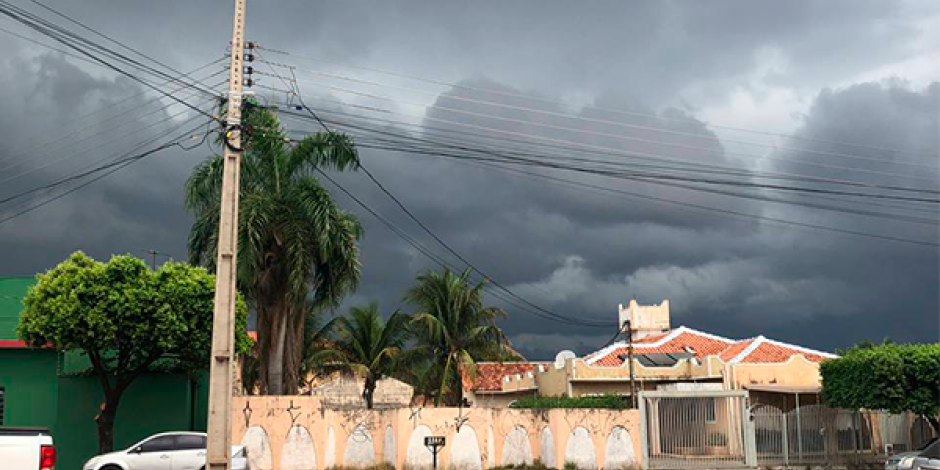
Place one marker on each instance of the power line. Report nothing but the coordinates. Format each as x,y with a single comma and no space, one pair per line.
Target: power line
443,263
112,40
753,217
601,108
607,122
577,131
582,147
692,167
78,175
424,227
504,149
60,34
85,118
645,176
99,145
38,43
55,32
111,169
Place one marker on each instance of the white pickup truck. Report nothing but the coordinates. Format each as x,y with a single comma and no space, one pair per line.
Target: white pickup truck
26,449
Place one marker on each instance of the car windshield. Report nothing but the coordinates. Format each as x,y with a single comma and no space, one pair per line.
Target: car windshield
932,450
927,444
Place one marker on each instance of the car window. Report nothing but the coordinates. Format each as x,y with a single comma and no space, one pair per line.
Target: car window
190,441
925,445
158,444
932,451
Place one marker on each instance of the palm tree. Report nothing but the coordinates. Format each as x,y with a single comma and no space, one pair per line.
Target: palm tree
454,327
296,246
365,346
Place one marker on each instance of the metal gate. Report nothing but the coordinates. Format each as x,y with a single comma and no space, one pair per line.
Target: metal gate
696,430
816,435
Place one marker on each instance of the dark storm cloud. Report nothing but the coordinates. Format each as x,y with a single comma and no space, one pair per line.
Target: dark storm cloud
574,251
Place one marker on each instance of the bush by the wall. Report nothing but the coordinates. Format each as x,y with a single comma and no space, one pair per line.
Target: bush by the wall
610,402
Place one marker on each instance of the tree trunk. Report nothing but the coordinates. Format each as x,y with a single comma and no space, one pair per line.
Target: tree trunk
368,391
459,390
294,350
275,363
105,421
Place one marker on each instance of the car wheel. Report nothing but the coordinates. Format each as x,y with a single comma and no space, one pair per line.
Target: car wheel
111,467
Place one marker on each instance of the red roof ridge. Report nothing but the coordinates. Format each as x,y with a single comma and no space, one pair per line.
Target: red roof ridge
759,341
673,334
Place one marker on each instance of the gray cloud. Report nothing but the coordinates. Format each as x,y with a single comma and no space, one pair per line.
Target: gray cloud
575,251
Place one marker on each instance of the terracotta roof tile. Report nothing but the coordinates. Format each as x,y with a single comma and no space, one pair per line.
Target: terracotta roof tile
700,344
775,352
490,374
651,338
735,349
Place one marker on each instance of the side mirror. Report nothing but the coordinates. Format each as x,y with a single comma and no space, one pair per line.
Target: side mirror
138,450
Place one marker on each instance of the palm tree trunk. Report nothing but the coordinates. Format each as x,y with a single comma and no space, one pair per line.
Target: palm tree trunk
275,363
368,391
294,350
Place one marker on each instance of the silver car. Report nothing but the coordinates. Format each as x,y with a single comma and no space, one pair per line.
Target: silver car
905,460
929,458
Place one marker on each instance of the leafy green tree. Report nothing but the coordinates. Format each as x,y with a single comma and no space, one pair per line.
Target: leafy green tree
295,244
893,377
365,346
453,327
127,319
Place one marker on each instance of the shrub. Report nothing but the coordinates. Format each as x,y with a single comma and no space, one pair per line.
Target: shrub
610,402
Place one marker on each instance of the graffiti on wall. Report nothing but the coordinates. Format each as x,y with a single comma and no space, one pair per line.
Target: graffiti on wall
298,433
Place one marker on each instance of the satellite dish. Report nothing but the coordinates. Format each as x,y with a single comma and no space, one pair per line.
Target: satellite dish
562,357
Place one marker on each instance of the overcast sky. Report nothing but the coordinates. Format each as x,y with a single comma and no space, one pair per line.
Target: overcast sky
854,71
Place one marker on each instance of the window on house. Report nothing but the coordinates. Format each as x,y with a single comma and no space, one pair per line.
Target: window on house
2,391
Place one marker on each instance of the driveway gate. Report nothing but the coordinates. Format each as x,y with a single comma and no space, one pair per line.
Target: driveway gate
696,430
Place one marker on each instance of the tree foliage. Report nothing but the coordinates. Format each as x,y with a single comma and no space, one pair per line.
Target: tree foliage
364,345
453,330
296,246
893,377
126,318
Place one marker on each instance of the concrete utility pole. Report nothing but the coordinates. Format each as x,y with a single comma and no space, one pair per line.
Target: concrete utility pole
220,363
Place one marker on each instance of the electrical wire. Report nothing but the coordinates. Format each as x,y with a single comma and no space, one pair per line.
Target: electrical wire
762,218
606,122
543,312
508,146
111,169
601,108
62,136
81,174
57,34
443,263
100,144
114,41
576,131
653,176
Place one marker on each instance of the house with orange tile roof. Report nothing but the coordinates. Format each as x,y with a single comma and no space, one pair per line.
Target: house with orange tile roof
663,358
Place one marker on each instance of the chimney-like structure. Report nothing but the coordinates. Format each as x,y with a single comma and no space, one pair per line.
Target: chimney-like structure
645,320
